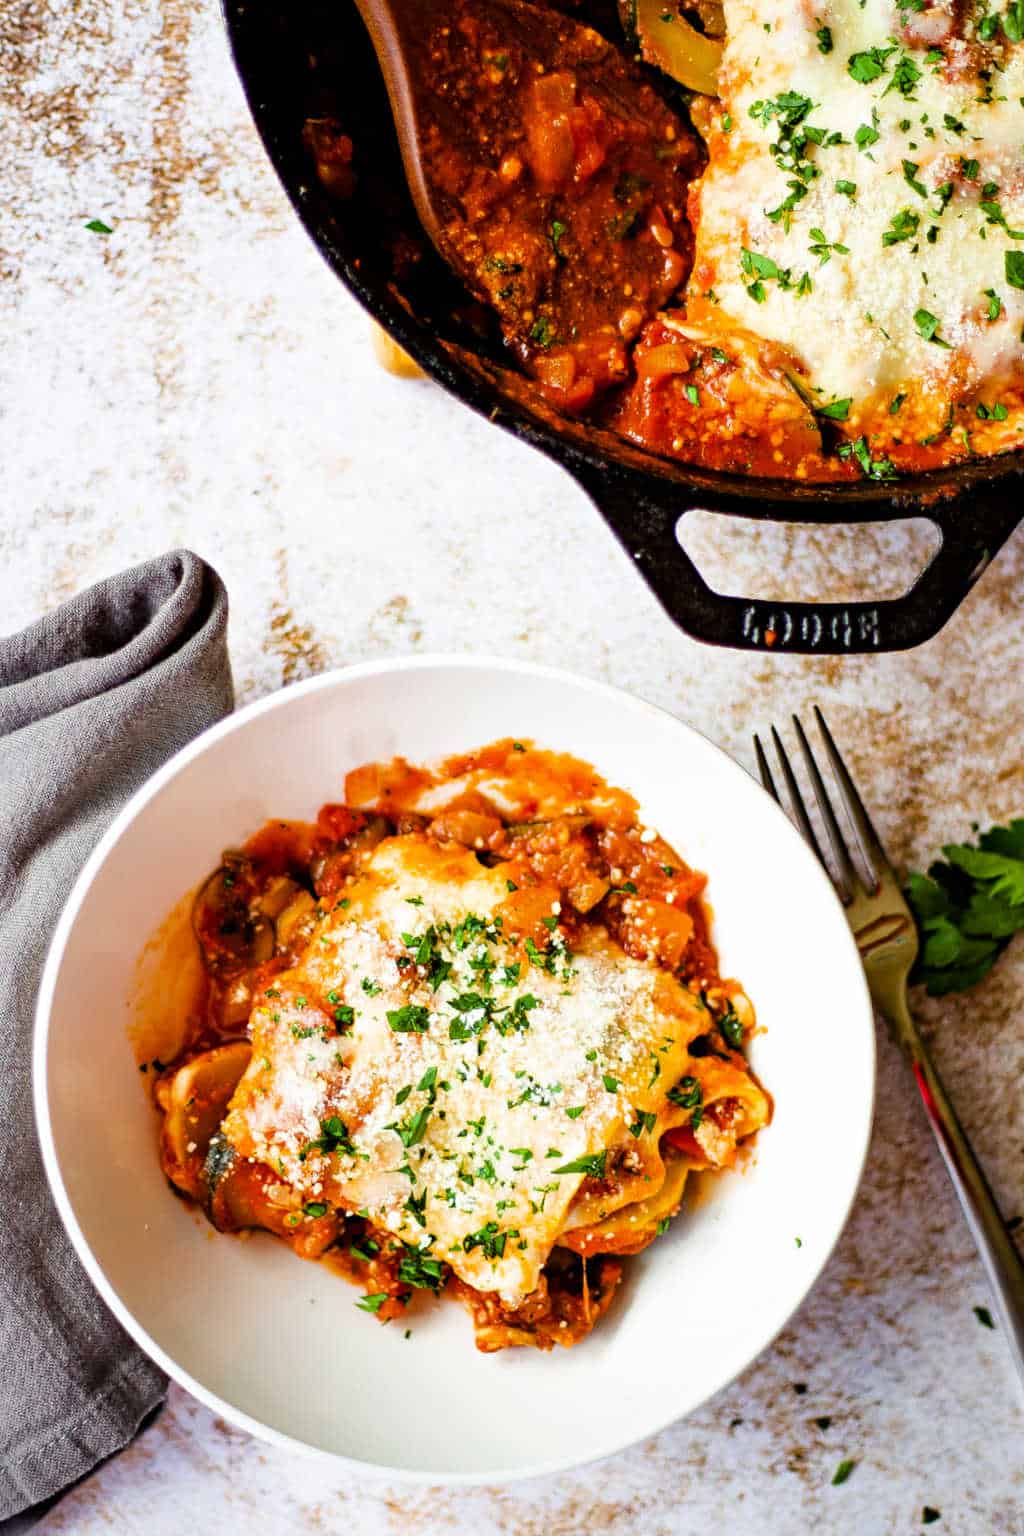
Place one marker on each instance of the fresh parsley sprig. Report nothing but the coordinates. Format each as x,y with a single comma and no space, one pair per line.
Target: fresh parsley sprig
967,909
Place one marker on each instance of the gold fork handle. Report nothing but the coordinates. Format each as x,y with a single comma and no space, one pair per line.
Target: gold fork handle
999,1255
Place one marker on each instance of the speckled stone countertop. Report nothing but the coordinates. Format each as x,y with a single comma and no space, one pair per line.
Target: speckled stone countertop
199,378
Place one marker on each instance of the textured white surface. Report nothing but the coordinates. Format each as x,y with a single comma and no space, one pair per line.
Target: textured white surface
198,377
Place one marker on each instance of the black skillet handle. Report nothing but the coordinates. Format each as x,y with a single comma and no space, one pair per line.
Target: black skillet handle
973,524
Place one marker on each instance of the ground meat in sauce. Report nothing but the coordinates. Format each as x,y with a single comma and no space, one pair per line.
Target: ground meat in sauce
560,178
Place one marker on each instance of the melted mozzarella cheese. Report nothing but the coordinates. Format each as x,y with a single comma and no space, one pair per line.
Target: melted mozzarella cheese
858,331
461,1101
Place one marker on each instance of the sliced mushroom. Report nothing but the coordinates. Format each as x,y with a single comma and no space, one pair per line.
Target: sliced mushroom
473,829
296,922
232,936
195,1099
243,1194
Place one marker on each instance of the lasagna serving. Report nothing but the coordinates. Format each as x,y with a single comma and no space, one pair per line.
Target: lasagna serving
466,1034
808,263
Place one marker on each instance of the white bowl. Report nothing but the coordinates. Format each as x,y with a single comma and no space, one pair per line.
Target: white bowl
277,1345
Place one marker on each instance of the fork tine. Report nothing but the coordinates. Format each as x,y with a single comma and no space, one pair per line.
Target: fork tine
796,799
870,843
765,772
848,877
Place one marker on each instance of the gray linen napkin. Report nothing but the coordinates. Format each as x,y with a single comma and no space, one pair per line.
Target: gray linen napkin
93,698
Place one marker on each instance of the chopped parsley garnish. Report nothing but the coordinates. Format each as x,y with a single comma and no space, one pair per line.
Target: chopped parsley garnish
490,1239
693,395
1015,269
868,66
412,1019
1013,21
611,1084
895,403
836,410
730,1028
315,1208
823,248
370,987
423,1273
984,1316
902,226
333,1137
873,469
905,76
687,1093
413,1131
372,1303
575,1112
824,36
97,227
910,170
997,412
930,1515
414,901
790,111
842,1472
556,229
416,1205
645,1120
761,268
344,1016
995,304
592,1163
928,328
365,1249
867,134
846,188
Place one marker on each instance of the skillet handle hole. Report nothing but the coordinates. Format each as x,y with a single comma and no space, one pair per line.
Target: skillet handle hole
801,562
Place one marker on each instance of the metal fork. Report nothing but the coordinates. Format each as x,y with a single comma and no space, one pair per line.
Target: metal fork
886,936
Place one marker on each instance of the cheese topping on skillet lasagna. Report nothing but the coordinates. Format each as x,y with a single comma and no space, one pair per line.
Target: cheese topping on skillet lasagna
864,207
467,1033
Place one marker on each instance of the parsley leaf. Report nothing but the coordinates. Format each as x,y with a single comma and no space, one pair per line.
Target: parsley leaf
868,66
928,328
410,1020
372,1303
591,1163
967,908
333,1137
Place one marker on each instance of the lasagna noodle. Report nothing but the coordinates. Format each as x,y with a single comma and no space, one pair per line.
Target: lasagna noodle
480,1130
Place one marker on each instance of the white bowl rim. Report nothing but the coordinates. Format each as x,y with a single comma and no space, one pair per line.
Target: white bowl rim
200,744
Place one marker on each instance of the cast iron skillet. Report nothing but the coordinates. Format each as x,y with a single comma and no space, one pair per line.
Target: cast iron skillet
311,58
